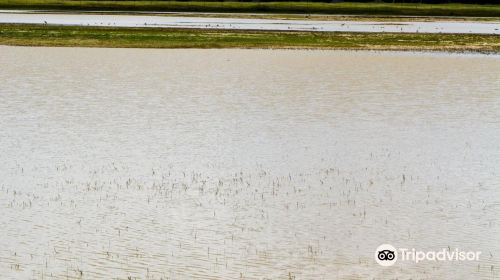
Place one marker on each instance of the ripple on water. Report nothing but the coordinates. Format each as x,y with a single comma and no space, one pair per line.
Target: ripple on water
220,164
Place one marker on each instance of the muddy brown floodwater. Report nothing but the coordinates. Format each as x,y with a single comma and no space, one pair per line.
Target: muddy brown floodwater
253,164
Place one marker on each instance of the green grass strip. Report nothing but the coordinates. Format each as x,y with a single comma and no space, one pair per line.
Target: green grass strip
112,37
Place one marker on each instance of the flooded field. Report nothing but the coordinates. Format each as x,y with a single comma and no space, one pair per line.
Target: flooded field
251,164
117,20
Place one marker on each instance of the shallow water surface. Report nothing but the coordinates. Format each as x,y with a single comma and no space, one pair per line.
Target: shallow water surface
253,164
461,27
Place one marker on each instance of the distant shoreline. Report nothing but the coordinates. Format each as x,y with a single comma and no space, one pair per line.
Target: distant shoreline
373,9
113,37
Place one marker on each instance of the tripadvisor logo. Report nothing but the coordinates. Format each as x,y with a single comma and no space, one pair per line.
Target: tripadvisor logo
387,255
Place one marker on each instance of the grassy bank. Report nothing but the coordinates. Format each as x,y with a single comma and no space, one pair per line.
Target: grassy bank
37,35
255,7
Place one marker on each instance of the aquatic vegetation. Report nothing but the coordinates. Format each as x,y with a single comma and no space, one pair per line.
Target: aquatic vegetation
281,164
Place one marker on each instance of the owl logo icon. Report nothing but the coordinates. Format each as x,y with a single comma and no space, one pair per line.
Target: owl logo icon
386,255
